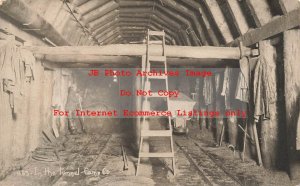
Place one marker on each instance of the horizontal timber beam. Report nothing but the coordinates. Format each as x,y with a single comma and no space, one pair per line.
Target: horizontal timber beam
274,27
23,14
203,52
93,60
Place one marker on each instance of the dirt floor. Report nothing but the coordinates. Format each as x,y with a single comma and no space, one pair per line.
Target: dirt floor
96,159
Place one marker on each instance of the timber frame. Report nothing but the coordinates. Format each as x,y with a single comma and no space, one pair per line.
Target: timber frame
90,33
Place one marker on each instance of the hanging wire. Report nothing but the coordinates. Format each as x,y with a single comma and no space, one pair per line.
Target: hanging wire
150,15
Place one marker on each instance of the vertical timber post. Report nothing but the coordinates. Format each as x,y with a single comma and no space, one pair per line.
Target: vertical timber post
292,97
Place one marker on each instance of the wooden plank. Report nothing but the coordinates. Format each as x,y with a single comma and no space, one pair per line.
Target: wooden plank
156,33
107,32
239,17
270,145
289,5
250,7
102,27
157,58
154,26
203,52
261,10
199,38
219,19
90,6
79,2
110,36
292,91
99,12
103,19
56,61
274,27
53,10
212,36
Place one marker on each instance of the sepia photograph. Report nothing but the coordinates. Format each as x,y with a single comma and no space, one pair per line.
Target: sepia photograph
149,92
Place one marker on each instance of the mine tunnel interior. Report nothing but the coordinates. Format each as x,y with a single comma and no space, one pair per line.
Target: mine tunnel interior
224,91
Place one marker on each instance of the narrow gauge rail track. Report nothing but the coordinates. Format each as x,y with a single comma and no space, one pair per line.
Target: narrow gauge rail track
211,173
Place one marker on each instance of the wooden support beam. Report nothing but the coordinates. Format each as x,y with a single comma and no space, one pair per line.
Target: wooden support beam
134,15
100,29
291,63
134,31
274,27
204,52
117,40
107,31
71,31
178,32
125,27
197,41
79,2
270,128
219,18
289,5
28,18
131,4
90,6
99,12
185,11
53,10
212,36
260,11
9,28
145,19
230,18
239,18
93,60
109,34
62,18
102,20
170,35
137,10
157,21
158,15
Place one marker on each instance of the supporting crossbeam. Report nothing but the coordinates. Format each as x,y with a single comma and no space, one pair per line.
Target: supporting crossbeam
203,52
276,26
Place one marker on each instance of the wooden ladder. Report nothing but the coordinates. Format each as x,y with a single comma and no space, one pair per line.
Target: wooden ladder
146,104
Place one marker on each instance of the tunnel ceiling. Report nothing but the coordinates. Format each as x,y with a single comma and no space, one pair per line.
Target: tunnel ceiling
186,22
127,21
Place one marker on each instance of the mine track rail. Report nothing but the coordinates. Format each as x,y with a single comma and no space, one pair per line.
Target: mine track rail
211,172
220,166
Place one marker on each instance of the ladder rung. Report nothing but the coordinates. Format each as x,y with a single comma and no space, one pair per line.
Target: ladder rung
156,133
157,77
156,155
155,42
157,58
156,33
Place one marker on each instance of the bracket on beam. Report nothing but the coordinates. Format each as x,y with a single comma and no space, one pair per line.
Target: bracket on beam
244,51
